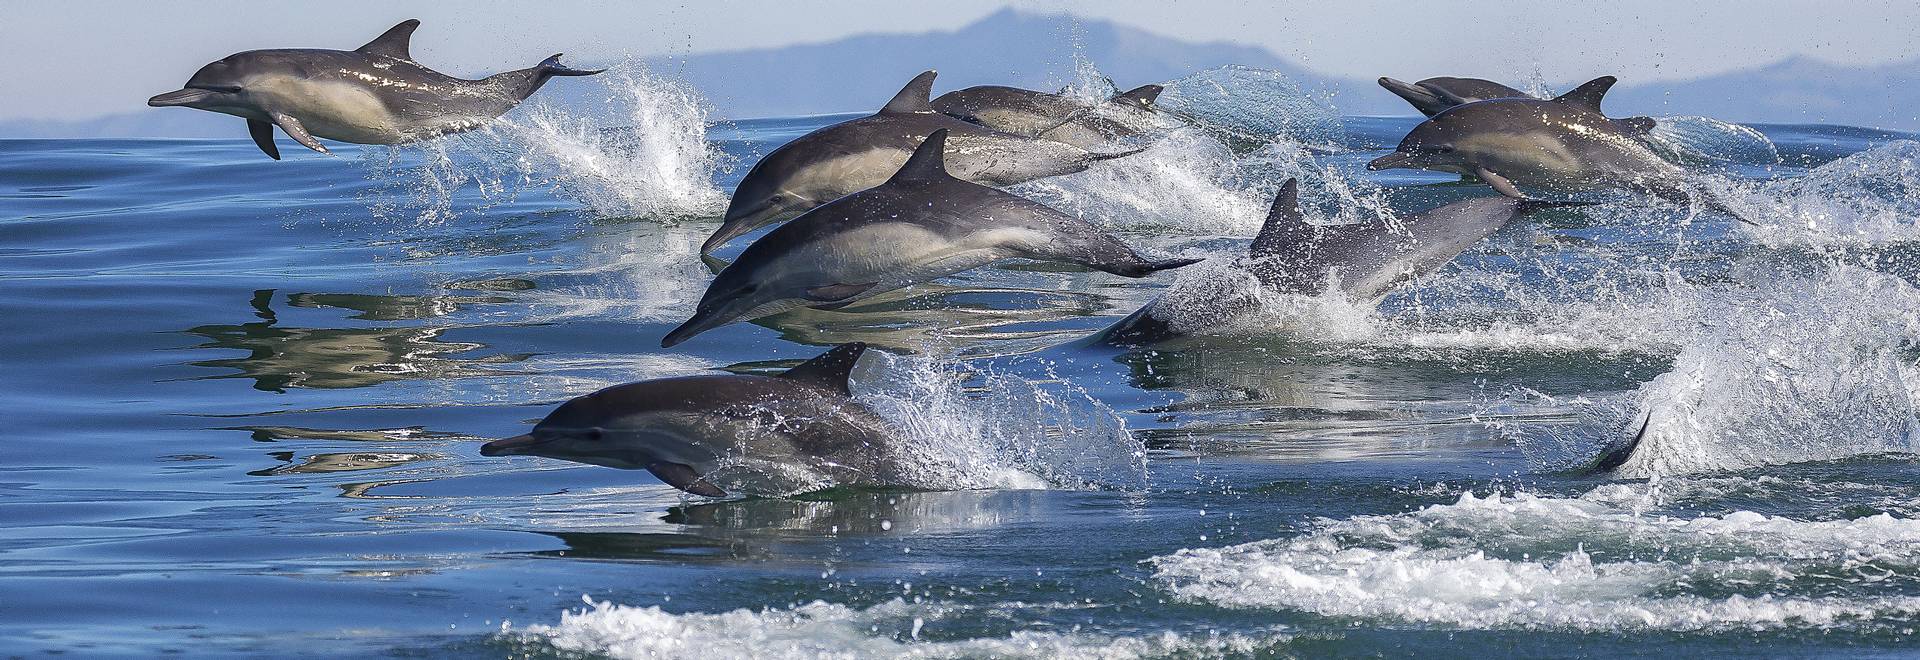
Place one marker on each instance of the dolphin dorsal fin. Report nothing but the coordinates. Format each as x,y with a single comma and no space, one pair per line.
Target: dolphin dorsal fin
917,96
396,42
1588,95
831,369
928,162
1285,225
1142,96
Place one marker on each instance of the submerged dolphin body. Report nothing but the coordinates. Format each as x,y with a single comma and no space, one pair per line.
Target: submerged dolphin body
1363,261
1564,145
855,155
919,225
375,94
1053,116
702,433
1435,95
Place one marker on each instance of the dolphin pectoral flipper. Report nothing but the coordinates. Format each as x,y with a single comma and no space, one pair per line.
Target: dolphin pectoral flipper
396,42
262,133
830,369
684,477
298,132
836,293
1500,183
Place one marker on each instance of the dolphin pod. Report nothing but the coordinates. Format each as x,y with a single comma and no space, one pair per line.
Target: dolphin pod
855,155
374,94
907,195
921,224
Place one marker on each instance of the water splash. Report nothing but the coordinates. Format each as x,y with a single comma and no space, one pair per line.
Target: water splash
1247,107
1794,369
1693,139
643,152
987,429
1868,198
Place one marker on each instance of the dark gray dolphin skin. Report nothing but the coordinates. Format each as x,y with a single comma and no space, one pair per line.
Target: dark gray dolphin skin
1051,116
1434,95
375,94
919,225
855,155
1364,261
685,429
1563,145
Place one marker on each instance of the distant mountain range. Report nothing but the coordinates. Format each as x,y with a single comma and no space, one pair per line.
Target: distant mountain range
1039,52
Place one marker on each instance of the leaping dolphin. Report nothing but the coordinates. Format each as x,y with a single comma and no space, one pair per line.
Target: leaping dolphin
375,94
1053,116
1564,144
855,155
705,434
1364,261
919,225
1434,95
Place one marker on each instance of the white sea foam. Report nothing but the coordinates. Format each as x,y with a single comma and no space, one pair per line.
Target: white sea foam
894,629
1526,561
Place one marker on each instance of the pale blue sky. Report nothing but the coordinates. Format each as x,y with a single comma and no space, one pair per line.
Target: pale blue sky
76,58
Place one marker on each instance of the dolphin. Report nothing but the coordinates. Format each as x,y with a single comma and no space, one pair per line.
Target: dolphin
855,155
375,94
1563,144
919,225
1363,261
1434,95
1053,116
703,434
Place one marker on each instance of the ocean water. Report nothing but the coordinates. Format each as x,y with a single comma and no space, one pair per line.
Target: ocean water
244,401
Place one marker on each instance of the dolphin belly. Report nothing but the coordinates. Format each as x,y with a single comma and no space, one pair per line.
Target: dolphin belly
332,109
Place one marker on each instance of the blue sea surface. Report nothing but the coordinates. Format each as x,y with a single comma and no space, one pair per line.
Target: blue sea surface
244,401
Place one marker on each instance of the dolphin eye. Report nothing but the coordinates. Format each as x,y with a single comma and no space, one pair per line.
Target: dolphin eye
596,434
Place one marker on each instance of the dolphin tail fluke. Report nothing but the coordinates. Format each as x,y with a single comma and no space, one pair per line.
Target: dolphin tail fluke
1614,456
522,83
1140,97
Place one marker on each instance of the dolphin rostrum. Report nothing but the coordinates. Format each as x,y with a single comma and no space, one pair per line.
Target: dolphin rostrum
375,94
1563,144
1434,95
711,433
855,155
1363,261
1053,116
919,225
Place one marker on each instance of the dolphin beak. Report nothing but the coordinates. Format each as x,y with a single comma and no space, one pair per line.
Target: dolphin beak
187,96
518,444
741,223
702,321
1390,161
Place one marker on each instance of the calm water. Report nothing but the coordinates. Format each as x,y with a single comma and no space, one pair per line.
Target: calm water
245,399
